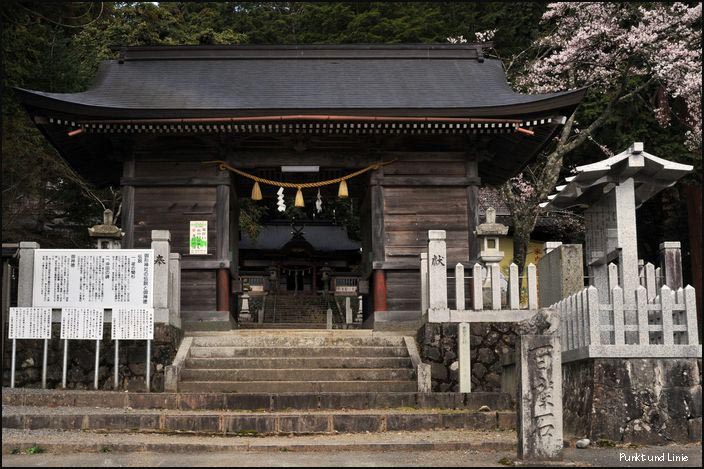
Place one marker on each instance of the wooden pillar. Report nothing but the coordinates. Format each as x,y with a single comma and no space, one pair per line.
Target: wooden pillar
222,207
380,291
127,221
472,171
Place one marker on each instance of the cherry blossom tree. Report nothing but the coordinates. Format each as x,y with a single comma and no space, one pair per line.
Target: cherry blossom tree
621,51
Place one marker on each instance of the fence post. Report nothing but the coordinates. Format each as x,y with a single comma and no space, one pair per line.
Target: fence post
650,285
437,272
617,303
666,314
593,312
25,279
642,312
459,287
690,307
465,365
514,282
477,292
532,287
494,270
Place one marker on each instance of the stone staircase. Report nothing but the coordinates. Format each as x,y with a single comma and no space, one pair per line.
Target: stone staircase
300,361
296,309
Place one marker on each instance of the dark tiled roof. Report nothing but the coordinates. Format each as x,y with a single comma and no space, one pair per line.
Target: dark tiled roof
322,238
207,81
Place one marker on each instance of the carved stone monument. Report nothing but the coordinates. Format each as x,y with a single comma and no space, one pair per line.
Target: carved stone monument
539,381
107,235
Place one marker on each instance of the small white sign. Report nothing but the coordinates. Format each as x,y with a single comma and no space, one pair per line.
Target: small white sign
30,323
101,278
133,324
82,323
198,240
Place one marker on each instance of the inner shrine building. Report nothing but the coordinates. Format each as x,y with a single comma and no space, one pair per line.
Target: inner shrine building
187,131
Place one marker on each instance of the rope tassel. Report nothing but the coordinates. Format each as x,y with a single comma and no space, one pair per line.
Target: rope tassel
256,191
342,192
299,199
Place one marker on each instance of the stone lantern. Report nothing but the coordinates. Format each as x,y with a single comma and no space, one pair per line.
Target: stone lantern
273,278
325,272
488,234
107,235
245,315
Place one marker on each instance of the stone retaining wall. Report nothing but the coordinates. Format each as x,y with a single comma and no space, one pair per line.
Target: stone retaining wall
81,361
646,401
488,343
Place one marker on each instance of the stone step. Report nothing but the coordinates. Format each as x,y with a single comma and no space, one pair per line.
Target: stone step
481,444
254,401
282,325
299,341
251,423
204,315
232,352
299,362
297,386
307,374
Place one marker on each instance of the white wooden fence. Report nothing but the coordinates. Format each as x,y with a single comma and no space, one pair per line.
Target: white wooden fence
434,289
651,322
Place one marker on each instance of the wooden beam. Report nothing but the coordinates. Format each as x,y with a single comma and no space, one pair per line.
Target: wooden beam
472,208
201,264
175,181
390,181
377,206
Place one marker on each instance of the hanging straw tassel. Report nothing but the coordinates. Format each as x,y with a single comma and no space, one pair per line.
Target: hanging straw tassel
299,199
342,192
256,191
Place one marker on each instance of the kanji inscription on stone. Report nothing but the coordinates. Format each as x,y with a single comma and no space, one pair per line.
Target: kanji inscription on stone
29,323
102,278
82,323
133,324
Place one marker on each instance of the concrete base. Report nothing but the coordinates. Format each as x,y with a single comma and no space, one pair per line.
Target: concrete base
393,321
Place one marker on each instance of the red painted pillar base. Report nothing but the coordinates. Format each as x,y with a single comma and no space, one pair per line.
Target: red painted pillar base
380,291
223,290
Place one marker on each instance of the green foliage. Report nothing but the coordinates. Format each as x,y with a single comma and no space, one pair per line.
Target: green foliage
35,449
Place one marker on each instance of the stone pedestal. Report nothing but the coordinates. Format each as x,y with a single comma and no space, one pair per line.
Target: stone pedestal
538,371
245,315
561,272
26,273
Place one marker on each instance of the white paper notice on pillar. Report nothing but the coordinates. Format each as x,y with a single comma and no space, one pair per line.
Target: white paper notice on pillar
101,278
30,323
198,240
82,323
133,324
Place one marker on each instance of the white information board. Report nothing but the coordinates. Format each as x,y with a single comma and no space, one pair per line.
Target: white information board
133,324
82,323
101,278
198,240
30,323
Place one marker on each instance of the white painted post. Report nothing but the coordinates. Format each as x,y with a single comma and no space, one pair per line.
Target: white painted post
423,283
13,364
97,364
63,377
437,271
658,279
348,310
161,244
465,366
593,312
568,321
618,316
690,308
494,269
477,291
116,375
642,312
532,287
650,284
149,365
328,316
514,282
459,287
44,362
666,314
581,319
